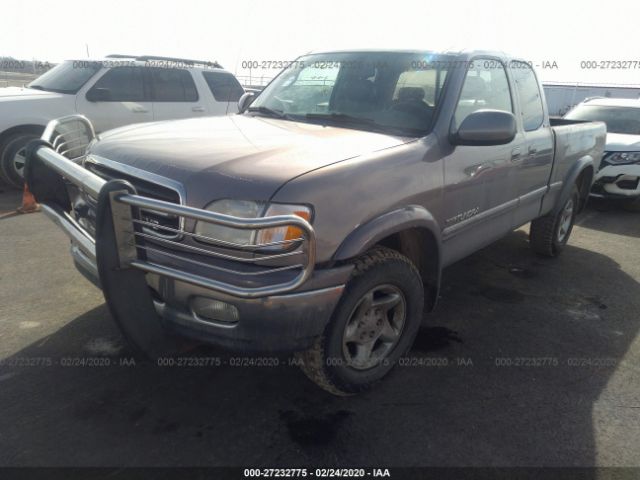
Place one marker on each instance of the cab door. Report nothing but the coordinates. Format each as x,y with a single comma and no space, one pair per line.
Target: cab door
479,198
119,97
533,166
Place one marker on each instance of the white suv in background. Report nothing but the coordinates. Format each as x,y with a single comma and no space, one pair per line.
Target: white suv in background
619,174
115,91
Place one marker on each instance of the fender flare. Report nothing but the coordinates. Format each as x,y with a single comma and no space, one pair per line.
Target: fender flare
570,180
372,232
368,234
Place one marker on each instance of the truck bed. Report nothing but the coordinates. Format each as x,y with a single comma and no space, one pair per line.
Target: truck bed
573,140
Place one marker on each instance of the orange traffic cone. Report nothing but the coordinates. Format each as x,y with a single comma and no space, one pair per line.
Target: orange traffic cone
29,204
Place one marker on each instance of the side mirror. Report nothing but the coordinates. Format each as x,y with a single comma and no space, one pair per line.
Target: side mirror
99,95
486,127
245,101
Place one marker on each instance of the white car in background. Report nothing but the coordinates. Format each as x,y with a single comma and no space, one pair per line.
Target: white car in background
115,91
619,173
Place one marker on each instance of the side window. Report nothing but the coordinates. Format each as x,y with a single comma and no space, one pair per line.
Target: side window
224,86
124,84
529,95
172,85
485,86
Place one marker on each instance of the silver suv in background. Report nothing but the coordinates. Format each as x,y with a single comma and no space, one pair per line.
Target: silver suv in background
619,174
112,92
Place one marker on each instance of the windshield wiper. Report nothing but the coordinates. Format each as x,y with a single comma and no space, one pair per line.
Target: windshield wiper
340,117
268,111
36,87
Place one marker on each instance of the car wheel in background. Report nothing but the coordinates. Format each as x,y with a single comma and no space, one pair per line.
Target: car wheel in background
13,158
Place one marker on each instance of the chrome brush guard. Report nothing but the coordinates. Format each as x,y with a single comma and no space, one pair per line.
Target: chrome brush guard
61,149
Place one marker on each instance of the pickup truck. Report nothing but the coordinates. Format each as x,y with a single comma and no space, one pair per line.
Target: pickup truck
115,91
319,219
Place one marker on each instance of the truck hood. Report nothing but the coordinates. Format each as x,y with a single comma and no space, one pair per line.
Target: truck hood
237,156
619,142
20,93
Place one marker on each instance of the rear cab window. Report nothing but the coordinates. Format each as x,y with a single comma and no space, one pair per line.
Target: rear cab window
529,95
419,85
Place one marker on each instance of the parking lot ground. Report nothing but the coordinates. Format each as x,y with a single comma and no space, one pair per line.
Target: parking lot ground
527,361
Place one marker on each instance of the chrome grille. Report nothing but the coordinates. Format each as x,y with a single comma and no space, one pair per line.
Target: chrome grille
156,223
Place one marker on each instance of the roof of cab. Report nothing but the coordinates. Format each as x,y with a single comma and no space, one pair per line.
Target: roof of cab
461,54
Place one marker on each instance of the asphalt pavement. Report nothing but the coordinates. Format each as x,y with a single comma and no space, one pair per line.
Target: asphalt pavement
526,362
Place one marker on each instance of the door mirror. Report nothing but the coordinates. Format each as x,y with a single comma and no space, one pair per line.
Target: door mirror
99,95
486,127
245,101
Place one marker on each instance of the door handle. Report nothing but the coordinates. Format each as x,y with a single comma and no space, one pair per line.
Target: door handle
515,154
475,170
197,109
139,110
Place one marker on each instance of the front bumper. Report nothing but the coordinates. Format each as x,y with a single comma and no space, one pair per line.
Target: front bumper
279,305
277,323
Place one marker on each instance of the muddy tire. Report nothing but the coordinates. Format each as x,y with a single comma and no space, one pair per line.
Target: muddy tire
549,234
374,324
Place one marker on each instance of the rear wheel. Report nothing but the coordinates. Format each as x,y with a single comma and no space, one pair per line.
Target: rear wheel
549,234
13,158
374,324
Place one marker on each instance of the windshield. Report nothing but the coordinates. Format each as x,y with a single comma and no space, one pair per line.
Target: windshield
618,119
67,77
391,91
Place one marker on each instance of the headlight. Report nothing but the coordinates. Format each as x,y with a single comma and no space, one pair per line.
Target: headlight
250,209
623,158
236,208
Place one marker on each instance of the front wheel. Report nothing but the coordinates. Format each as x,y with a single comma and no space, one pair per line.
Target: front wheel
549,234
374,324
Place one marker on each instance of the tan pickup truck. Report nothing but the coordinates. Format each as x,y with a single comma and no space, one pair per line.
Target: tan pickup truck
318,220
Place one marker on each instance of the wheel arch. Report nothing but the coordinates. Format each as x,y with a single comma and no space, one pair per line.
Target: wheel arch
584,183
581,175
413,232
26,128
